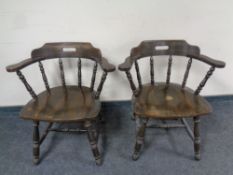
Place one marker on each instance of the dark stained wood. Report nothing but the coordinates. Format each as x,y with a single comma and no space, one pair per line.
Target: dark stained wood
132,85
44,76
105,65
93,142
77,104
169,70
173,102
79,72
164,47
138,74
44,135
203,82
93,76
211,61
152,70
140,137
197,139
63,81
64,50
36,144
28,87
174,47
166,126
187,72
125,66
64,103
100,87
75,130
67,50
165,100
188,129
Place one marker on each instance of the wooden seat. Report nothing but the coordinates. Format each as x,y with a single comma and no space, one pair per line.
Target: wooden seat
166,100
73,103
159,101
63,105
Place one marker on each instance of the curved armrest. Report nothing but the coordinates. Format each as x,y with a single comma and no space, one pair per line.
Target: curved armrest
20,65
106,66
15,67
211,61
126,66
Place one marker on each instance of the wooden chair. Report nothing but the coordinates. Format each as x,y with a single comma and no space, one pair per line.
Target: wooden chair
166,100
65,103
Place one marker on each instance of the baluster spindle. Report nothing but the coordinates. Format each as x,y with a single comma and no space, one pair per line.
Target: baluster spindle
28,87
93,76
138,74
152,70
100,87
79,72
203,82
62,73
132,85
186,73
169,70
44,76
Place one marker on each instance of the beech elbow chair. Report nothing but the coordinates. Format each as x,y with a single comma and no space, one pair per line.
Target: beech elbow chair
166,100
65,103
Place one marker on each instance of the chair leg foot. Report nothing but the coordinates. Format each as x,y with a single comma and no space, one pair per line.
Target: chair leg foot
135,156
93,142
197,156
197,139
36,144
140,137
35,161
98,162
137,148
133,117
102,119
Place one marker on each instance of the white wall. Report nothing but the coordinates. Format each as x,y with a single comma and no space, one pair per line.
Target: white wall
115,26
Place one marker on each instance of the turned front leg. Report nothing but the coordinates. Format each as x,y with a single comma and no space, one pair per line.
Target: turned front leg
197,139
141,127
133,117
36,142
93,142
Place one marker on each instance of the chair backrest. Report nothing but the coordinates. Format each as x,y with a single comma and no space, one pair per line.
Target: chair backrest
64,50
171,48
67,50
164,47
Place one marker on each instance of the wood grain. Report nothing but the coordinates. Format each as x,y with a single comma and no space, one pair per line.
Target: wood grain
75,104
165,103
57,50
175,47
